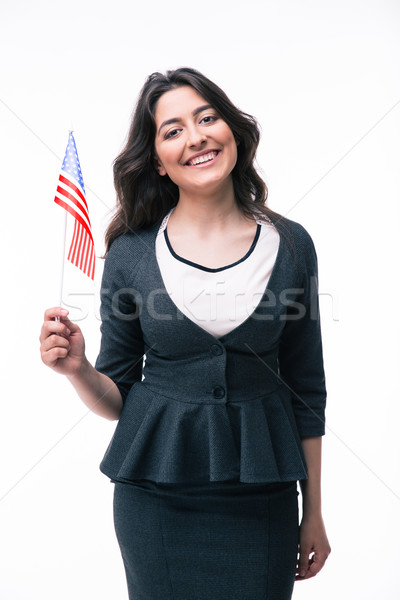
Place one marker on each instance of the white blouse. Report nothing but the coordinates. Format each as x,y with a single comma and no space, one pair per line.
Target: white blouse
218,300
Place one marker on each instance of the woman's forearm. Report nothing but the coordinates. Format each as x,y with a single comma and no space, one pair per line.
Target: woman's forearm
311,487
314,546
97,391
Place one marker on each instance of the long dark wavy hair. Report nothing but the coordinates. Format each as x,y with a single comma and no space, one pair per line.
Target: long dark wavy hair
143,196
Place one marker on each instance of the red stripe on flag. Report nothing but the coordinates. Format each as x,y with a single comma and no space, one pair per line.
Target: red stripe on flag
73,187
79,250
77,216
92,262
78,244
82,251
86,255
72,246
63,192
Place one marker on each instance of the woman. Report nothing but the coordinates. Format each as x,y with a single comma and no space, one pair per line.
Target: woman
226,412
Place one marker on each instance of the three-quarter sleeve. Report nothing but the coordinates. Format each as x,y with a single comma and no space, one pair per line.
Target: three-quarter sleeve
122,346
300,352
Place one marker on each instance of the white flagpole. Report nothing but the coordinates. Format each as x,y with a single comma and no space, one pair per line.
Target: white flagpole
63,261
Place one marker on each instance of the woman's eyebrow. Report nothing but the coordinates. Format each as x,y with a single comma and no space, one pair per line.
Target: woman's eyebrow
178,119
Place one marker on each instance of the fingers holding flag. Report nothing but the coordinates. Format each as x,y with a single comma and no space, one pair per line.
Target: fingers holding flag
62,346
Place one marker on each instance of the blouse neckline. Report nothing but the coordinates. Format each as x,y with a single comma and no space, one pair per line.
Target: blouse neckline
163,228
209,269
235,331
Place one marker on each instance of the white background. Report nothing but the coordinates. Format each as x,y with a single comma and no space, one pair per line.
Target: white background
323,80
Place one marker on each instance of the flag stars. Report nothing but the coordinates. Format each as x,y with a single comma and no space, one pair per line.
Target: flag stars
71,163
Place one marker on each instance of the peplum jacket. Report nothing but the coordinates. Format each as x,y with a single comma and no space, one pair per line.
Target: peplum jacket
200,408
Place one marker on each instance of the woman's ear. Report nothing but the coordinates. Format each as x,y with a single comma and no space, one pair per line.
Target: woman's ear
159,166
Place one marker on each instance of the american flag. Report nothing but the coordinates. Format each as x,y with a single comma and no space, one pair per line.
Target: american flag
71,195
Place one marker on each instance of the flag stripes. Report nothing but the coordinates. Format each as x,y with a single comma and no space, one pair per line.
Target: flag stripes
73,187
81,252
70,195
83,219
73,199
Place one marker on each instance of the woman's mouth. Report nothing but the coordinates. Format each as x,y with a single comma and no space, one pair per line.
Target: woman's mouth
203,158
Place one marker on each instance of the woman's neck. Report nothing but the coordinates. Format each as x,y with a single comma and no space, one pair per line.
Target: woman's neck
206,212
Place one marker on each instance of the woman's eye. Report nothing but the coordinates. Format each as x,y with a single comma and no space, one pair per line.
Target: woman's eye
209,119
171,133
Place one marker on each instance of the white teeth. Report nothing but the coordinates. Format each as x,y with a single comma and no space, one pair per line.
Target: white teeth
202,159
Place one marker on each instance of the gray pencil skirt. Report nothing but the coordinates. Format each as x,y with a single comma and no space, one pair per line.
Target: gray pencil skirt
214,541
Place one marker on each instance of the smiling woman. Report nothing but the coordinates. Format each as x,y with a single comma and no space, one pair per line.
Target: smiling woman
226,413
143,197
197,150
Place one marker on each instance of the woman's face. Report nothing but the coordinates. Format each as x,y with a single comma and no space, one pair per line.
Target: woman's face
193,145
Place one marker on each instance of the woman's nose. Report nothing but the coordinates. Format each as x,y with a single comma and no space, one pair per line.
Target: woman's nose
195,137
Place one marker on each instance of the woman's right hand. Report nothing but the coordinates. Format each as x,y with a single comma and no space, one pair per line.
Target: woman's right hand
62,345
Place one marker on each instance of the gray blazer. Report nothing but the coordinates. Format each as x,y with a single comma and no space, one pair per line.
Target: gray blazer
201,408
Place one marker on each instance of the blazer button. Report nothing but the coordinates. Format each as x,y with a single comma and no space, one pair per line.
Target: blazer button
218,392
216,350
